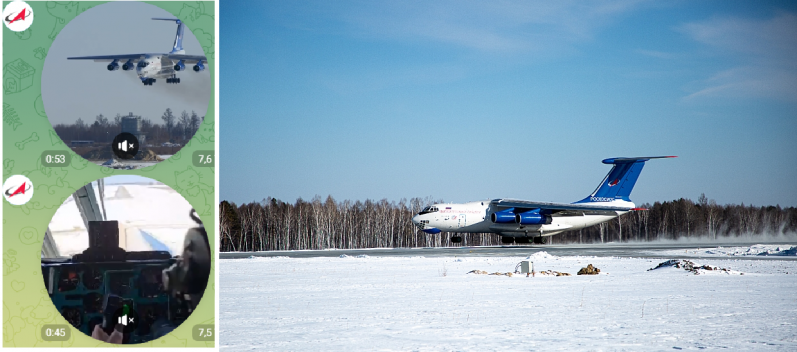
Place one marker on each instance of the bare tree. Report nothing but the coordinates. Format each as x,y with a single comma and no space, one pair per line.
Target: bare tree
185,123
168,120
194,123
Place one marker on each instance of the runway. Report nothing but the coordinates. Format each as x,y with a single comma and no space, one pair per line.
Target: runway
620,250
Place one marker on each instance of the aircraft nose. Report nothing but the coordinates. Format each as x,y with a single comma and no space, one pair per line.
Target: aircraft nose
416,219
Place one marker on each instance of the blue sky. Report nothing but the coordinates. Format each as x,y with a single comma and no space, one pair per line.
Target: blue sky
464,100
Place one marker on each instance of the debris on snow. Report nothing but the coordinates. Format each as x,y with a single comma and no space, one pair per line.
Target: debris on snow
478,272
501,274
115,164
689,266
552,273
543,273
482,272
589,270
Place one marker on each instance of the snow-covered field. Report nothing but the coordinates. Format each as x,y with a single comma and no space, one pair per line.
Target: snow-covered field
416,303
756,250
121,164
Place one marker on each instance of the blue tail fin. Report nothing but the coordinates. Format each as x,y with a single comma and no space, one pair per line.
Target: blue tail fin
177,48
619,182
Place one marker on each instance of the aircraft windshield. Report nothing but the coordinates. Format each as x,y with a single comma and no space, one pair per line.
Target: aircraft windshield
429,209
151,216
142,63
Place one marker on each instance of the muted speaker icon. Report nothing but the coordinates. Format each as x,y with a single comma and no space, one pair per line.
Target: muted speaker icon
125,146
124,320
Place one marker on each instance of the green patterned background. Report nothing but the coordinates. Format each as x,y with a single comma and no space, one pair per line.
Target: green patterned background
27,133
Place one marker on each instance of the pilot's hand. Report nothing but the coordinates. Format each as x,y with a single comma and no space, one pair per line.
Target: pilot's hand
116,336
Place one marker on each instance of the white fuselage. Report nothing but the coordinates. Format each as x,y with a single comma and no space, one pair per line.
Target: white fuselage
475,217
154,66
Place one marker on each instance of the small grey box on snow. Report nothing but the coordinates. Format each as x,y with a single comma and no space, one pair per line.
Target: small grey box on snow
526,267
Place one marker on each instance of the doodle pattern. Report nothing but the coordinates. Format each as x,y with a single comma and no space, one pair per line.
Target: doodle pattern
39,106
10,116
10,264
8,166
17,76
33,138
27,133
190,182
63,11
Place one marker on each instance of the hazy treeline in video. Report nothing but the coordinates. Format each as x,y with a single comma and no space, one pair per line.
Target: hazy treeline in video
170,126
322,224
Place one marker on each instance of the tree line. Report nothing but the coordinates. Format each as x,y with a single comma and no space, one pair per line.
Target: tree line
275,225
173,128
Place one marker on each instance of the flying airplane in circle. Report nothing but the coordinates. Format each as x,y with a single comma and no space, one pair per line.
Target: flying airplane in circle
523,221
150,67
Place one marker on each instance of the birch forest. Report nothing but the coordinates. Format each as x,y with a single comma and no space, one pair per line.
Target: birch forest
272,224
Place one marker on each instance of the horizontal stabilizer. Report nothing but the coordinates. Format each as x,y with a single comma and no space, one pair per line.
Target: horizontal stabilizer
619,182
629,160
167,19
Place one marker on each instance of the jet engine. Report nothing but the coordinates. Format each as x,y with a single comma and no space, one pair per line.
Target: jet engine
113,66
199,67
180,66
533,218
129,65
504,216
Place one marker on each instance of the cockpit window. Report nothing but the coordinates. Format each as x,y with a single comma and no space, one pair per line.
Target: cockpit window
429,209
150,216
142,63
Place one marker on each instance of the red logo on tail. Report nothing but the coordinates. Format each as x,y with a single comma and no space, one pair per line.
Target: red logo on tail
614,183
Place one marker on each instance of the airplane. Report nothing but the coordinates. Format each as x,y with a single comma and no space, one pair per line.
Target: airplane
150,67
520,221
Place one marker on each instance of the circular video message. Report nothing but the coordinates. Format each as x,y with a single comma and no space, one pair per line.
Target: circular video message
125,259
125,85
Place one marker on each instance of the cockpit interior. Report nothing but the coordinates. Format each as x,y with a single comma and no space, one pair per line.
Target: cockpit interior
115,287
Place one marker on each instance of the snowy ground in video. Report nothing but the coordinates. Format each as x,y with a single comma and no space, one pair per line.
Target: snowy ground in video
151,217
128,164
416,303
756,250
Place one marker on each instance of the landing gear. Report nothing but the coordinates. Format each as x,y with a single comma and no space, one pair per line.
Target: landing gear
522,240
456,239
148,81
507,240
540,240
173,80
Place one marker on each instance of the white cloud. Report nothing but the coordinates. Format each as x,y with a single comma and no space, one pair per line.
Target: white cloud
765,52
488,26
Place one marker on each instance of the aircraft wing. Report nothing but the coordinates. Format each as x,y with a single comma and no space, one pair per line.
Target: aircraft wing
109,58
189,59
555,207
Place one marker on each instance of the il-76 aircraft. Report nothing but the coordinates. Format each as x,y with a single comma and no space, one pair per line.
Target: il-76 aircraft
524,221
150,67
